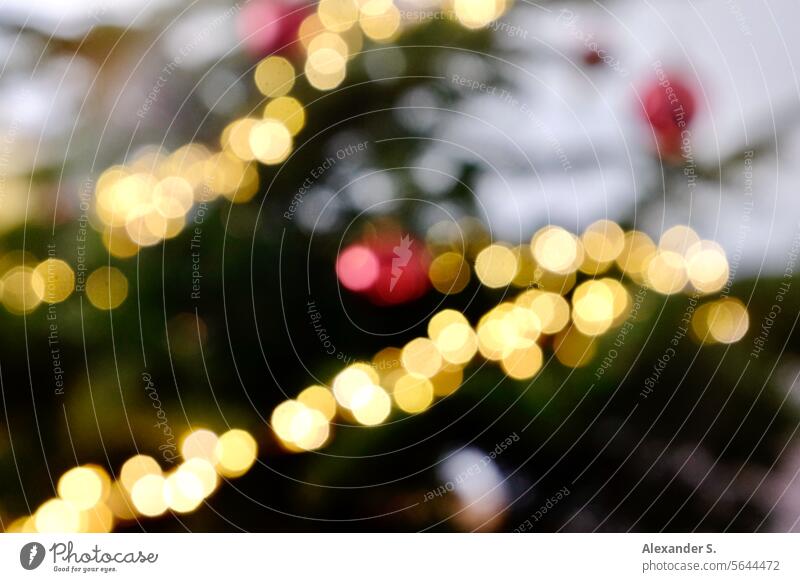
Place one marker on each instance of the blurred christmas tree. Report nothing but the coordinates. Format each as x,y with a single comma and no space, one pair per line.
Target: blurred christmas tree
592,381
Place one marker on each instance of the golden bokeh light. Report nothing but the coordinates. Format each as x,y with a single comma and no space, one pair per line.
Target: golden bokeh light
236,451
289,111
478,13
325,69
350,380
82,487
496,266
309,29
550,308
137,467
523,363
723,321
380,20
557,250
637,251
147,495
23,290
329,40
526,266
173,197
707,267
413,393
299,426
448,380
183,491
420,356
106,288
453,337
666,272
58,280
270,141
574,349
593,307
98,519
337,15
274,76
506,328
449,273
371,405
118,243
200,443
204,471
678,239
603,241
319,398
57,516
236,138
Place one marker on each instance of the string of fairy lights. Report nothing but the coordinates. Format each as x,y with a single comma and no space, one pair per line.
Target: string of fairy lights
147,201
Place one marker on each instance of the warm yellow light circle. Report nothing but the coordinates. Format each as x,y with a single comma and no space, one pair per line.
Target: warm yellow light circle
337,15
380,19
319,398
235,452
449,273
98,519
557,250
727,320
603,241
137,467
147,495
329,40
274,76
496,266
236,138
288,111
413,393
574,349
58,280
350,380
204,470
183,491
299,426
23,289
200,443
707,267
82,487
107,288
371,405
477,13
325,69
524,363
678,239
637,252
173,197
454,338
551,309
57,516
118,243
448,380
666,272
420,356
593,308
270,141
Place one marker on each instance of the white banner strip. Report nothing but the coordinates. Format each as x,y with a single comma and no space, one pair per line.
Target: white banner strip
400,557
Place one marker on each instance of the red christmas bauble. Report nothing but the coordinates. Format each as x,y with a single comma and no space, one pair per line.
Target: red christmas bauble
269,26
669,107
387,271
